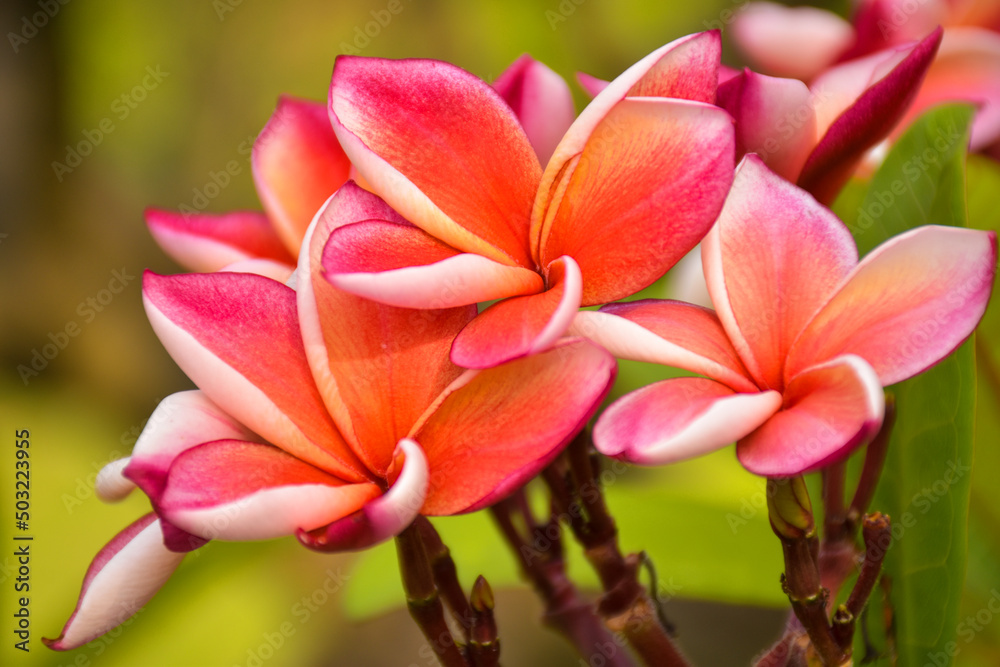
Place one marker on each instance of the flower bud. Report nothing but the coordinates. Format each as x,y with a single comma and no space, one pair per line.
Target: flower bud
789,508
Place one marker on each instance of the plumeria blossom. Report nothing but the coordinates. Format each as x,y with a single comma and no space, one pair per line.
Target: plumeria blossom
815,135
298,163
322,415
803,42
633,184
803,337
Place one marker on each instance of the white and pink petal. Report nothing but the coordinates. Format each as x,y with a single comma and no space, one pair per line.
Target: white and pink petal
827,411
122,578
907,305
383,517
678,419
236,490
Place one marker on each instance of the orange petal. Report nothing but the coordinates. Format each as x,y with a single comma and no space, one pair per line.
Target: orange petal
646,188
494,430
297,165
378,367
442,147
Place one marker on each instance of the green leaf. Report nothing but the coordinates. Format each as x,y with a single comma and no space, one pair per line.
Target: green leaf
703,522
921,181
926,482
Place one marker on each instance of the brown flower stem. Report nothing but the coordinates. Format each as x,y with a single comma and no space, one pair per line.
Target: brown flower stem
877,532
539,554
484,644
874,461
626,607
445,573
834,510
791,518
422,597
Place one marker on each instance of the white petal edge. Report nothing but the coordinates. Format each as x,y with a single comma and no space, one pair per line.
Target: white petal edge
263,515
724,422
126,582
456,281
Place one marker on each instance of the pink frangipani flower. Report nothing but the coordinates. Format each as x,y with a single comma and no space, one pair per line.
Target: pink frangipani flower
804,42
298,163
803,339
633,184
816,135
322,415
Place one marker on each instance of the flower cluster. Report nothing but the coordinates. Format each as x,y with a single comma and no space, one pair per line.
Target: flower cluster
348,380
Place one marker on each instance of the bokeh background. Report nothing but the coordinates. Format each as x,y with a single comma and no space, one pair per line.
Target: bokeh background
184,88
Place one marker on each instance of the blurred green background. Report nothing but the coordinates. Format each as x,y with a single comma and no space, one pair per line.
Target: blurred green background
219,68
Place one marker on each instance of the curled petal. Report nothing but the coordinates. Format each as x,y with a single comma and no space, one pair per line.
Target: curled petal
235,490
907,305
828,410
382,518
402,265
205,242
181,421
123,577
491,431
796,42
647,186
670,333
870,116
297,165
542,101
521,325
679,419
754,257
110,485
437,163
237,337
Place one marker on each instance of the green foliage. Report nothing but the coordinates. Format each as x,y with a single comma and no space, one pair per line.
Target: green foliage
926,483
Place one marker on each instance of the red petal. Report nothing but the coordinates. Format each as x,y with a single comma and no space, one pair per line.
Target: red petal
204,242
237,337
431,138
297,165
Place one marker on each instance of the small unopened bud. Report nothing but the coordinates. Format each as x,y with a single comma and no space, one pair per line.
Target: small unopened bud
484,645
789,508
482,595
